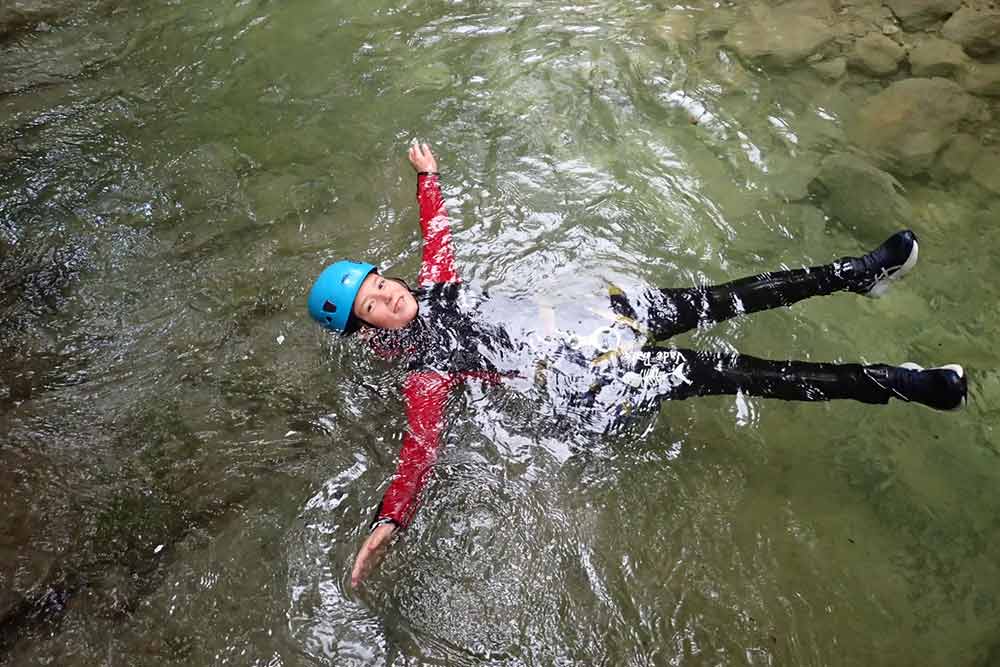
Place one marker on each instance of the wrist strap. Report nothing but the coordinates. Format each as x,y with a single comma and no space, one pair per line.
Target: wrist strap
428,173
382,522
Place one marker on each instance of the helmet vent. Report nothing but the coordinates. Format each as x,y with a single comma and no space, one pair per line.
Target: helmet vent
329,307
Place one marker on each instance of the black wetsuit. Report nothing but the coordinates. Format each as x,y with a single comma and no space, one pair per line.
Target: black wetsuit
597,377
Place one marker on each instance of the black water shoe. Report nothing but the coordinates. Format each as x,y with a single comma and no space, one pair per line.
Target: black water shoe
873,273
941,388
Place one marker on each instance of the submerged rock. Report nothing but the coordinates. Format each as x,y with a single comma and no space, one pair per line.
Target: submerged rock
980,79
937,57
675,27
21,15
716,22
7,153
986,171
832,69
906,124
778,38
817,9
857,19
859,193
919,14
876,54
431,76
959,156
977,30
790,179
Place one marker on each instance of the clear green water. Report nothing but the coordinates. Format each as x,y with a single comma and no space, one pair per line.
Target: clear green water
187,465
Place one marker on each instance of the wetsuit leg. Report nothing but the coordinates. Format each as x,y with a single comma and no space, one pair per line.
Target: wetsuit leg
668,311
668,373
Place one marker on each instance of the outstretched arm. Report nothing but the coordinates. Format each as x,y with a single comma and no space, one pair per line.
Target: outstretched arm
424,395
438,264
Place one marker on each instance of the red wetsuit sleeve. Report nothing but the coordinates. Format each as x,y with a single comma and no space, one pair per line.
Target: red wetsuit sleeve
438,264
424,395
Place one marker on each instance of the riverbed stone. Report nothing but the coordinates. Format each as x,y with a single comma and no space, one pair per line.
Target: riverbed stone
9,602
920,14
937,57
431,76
832,69
716,22
982,79
675,27
986,171
8,152
959,156
858,193
876,54
976,30
823,10
20,15
777,38
863,17
906,124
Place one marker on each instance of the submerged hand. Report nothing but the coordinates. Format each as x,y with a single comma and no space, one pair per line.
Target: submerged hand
422,159
367,555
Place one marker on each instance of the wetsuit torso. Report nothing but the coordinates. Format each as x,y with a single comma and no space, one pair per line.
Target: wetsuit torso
454,338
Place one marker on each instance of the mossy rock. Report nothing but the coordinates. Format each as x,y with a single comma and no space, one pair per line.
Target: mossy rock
860,194
905,125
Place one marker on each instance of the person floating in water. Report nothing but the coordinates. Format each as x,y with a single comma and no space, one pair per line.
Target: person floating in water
597,380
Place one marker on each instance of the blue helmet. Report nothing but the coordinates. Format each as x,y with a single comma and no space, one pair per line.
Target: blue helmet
332,295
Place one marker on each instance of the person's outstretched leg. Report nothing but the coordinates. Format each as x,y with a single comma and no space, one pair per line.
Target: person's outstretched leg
668,312
666,373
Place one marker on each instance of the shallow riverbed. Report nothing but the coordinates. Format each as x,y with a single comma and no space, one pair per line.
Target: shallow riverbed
188,465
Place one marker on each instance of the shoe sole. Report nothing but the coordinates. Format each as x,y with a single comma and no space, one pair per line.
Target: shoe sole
882,286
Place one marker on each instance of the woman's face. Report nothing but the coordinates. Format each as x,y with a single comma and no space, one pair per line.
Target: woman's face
384,303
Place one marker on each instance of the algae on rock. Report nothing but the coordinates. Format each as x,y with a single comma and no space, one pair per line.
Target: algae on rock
905,125
876,54
986,171
778,37
937,57
959,156
920,14
832,69
977,31
858,193
982,79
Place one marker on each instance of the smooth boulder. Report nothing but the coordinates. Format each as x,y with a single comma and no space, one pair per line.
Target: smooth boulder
976,30
937,57
832,69
982,79
22,15
920,14
876,54
675,27
905,125
859,193
959,156
986,171
777,38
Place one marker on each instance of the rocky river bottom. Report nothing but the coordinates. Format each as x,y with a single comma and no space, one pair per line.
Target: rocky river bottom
188,465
